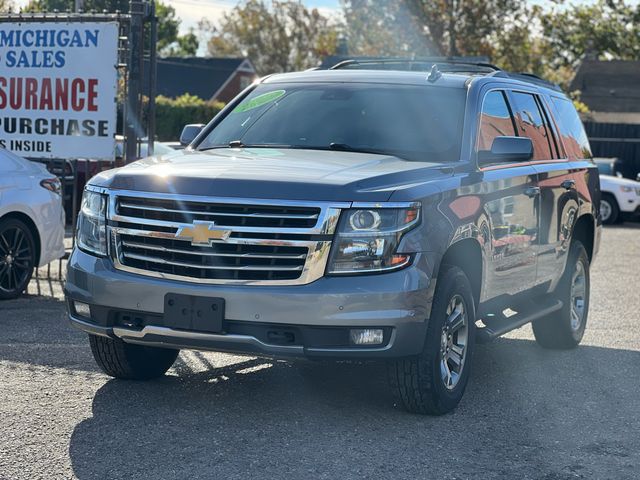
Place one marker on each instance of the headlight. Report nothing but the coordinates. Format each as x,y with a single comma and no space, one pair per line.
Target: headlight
626,189
91,233
368,238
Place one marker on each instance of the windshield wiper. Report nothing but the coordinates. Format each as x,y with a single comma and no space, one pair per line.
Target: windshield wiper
344,147
239,144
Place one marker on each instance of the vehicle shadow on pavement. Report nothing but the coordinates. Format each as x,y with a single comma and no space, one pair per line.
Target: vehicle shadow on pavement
528,412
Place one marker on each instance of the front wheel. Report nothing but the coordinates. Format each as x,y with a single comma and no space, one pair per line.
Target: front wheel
565,328
434,381
131,362
609,211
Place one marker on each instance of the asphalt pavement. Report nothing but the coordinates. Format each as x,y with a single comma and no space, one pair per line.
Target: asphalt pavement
528,413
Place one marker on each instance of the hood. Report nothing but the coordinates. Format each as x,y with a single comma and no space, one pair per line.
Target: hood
614,180
287,174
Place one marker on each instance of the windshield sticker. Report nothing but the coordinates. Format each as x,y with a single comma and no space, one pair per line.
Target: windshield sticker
259,101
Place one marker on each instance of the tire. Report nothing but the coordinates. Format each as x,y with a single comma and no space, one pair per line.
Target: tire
419,381
609,210
17,257
131,362
565,328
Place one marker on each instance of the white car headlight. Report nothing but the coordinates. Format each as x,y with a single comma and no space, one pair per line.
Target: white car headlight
368,238
91,231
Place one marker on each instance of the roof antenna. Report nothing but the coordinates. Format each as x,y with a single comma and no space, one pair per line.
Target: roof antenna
435,74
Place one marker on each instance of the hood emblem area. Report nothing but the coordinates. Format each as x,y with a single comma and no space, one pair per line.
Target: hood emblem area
202,233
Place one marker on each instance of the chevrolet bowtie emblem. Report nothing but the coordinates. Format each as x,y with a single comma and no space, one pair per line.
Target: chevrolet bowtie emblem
202,233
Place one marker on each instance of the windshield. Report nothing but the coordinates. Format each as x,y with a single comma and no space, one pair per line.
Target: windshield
604,168
411,122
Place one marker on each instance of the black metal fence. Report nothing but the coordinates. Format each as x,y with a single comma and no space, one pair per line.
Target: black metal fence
619,140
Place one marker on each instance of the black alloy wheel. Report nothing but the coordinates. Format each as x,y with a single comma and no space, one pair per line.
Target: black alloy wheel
17,257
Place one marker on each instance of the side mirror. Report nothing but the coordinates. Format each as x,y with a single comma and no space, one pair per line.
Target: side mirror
507,149
190,132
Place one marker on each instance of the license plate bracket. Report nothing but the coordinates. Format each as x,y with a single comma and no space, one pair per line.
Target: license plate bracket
191,312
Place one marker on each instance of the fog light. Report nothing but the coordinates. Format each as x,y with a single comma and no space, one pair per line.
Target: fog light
366,336
82,309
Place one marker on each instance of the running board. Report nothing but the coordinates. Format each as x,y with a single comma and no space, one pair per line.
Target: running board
500,324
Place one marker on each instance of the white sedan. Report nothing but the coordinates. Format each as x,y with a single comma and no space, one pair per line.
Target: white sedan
620,196
31,221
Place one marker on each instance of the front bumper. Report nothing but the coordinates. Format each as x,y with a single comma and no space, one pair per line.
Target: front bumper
398,302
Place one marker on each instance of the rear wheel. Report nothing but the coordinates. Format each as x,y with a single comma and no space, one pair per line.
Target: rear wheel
17,257
609,210
131,362
565,328
434,381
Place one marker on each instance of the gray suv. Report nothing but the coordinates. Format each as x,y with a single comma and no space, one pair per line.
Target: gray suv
388,210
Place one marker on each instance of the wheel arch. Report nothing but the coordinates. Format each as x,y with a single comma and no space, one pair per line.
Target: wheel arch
26,219
610,194
584,230
466,254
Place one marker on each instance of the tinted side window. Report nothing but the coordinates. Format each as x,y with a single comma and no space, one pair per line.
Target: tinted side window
495,120
573,135
530,123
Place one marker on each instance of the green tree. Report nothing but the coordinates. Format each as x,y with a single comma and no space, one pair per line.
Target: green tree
463,27
374,28
277,37
606,29
427,27
185,46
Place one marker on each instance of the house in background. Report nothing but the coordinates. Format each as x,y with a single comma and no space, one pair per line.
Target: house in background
218,79
611,90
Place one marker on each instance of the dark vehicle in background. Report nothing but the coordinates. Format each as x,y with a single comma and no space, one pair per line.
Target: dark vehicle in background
400,211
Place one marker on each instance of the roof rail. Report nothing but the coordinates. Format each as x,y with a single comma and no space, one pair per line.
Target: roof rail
446,64
443,63
529,78
533,78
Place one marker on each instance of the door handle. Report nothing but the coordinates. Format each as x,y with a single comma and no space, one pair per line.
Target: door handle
568,184
532,192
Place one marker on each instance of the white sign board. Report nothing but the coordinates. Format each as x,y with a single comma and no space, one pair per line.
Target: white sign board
58,86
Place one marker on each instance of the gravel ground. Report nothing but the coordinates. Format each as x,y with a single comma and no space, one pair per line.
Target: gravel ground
528,413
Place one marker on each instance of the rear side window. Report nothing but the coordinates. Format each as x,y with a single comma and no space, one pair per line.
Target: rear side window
530,123
495,120
571,129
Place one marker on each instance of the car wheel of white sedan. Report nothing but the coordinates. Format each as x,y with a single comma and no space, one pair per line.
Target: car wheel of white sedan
17,257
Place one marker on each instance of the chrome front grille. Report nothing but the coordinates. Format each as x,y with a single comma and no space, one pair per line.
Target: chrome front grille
256,241
230,215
